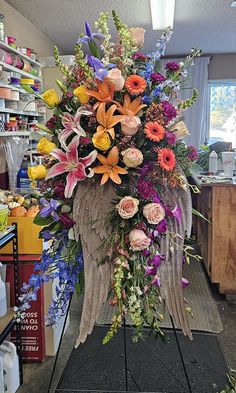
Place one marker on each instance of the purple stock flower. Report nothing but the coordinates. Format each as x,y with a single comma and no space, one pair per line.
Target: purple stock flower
157,77
171,138
99,68
172,66
192,153
66,221
162,226
49,208
184,282
89,37
169,110
139,56
176,212
145,189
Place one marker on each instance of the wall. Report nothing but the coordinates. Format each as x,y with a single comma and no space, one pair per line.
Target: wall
26,33
222,66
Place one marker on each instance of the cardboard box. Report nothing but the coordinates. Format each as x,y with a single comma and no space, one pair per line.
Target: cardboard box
28,236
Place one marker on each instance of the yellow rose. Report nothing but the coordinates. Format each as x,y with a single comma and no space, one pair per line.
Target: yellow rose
79,92
101,142
51,97
45,146
37,172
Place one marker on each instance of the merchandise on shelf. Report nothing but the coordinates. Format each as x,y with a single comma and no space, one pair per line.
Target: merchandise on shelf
10,366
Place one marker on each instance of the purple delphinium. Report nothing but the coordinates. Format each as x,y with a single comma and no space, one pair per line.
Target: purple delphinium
157,77
171,138
67,221
192,153
172,66
169,110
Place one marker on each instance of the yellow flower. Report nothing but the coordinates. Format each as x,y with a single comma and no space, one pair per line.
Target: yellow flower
51,97
45,146
37,172
101,142
80,93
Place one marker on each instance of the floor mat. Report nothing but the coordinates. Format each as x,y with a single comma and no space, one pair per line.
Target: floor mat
206,317
154,366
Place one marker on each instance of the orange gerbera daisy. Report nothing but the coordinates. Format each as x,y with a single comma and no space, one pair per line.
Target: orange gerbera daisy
135,84
166,159
109,168
154,131
130,108
104,93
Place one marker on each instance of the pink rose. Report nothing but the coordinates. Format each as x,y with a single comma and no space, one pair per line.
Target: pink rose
130,125
138,35
114,75
154,213
127,207
132,157
138,240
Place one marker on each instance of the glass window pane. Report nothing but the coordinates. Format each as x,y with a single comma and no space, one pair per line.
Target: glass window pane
223,113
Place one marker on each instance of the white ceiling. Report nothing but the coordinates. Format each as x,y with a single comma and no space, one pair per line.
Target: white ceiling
207,24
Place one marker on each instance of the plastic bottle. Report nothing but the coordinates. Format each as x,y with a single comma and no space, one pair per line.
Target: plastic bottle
3,298
10,366
23,181
213,162
2,384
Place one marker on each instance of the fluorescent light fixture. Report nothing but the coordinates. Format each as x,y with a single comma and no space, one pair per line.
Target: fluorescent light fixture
162,12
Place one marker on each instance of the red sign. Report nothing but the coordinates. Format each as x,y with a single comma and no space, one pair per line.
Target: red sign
32,329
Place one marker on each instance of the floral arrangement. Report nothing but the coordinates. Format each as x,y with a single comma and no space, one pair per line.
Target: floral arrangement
116,134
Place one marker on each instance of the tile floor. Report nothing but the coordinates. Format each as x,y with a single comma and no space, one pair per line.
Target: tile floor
37,376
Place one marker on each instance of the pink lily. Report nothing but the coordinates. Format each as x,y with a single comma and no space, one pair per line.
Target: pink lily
71,163
72,125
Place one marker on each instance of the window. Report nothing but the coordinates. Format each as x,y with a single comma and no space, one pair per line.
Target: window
222,111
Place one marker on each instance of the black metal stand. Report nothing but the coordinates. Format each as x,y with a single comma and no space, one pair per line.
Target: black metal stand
59,346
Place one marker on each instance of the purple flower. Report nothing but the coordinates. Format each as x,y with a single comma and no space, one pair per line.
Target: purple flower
192,153
155,261
146,100
162,226
59,189
99,68
157,77
156,281
169,110
171,138
184,282
150,271
66,221
89,37
172,66
46,234
49,208
139,56
176,212
145,189
50,124
146,253
84,140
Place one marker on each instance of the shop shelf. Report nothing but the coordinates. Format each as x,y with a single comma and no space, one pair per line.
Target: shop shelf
9,49
8,67
20,112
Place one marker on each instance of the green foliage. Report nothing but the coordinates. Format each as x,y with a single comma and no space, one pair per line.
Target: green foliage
42,221
59,64
188,103
231,387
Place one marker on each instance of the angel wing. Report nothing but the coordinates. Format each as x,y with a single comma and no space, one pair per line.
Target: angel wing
171,270
92,203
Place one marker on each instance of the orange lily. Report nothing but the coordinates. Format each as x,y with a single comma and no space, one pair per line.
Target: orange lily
109,168
130,108
106,119
104,93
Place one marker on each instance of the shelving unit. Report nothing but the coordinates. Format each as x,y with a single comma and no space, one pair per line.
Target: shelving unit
10,49
15,88
8,67
8,322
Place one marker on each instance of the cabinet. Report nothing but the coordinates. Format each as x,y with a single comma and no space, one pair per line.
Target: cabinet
217,240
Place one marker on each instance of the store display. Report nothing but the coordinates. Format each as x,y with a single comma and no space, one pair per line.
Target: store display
10,366
5,93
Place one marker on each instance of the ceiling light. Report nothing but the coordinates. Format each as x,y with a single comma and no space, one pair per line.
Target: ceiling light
233,4
162,12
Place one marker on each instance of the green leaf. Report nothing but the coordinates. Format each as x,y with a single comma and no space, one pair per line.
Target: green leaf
53,227
61,86
197,213
43,128
42,221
